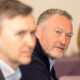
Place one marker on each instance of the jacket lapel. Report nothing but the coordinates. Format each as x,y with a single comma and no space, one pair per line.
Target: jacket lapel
53,74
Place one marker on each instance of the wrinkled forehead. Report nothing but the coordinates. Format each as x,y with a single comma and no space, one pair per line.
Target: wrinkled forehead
59,21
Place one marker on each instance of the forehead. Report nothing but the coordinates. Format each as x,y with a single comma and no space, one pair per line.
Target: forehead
19,22
60,22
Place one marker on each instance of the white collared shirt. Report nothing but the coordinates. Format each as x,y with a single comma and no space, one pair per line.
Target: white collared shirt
9,72
51,63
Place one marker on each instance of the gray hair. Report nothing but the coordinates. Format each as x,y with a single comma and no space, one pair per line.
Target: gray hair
48,13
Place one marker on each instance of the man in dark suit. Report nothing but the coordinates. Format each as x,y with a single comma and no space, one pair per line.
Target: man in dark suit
54,31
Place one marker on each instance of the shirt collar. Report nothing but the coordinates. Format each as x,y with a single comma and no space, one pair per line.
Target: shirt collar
8,71
51,63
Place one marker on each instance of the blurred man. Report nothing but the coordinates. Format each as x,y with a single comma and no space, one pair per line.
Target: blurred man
17,39
54,32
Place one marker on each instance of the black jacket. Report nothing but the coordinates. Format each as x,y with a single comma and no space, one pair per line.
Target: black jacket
1,75
39,68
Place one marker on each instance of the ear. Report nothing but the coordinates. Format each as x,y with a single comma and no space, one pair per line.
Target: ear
39,32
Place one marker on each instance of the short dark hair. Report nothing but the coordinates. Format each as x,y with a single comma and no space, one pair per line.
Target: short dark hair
12,8
48,13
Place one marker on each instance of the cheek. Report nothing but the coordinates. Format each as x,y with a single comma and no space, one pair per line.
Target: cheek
67,44
14,46
45,40
51,41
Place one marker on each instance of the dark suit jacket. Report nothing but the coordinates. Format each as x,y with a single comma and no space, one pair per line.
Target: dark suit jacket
39,68
1,76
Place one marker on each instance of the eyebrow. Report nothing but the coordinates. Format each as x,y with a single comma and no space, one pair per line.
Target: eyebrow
71,33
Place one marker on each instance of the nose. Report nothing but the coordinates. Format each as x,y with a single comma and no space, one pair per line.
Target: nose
29,40
63,39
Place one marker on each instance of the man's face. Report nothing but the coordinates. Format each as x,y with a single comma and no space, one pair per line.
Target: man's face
17,40
56,36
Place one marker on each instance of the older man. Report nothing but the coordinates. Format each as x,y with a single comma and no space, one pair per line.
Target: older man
17,39
54,32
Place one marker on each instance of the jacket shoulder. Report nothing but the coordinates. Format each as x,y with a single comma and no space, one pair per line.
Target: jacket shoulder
36,70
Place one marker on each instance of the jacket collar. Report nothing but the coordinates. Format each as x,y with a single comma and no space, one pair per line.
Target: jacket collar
38,51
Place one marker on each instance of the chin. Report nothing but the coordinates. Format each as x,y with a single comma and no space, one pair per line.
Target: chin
26,61
57,55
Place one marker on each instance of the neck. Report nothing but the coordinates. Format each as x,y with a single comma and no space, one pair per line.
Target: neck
10,63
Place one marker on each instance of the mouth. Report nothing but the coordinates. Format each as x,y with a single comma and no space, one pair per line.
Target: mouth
61,48
27,52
